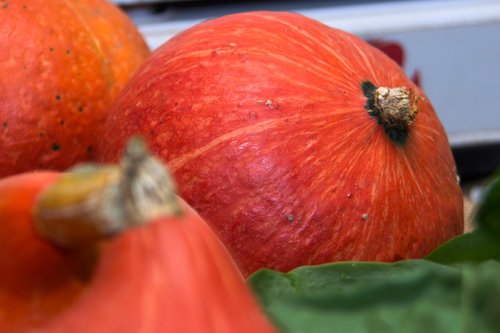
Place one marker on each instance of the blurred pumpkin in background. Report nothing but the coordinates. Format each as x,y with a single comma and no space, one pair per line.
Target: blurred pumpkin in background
62,63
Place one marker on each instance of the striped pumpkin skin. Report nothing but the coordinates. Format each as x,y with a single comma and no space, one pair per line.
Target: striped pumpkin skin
262,120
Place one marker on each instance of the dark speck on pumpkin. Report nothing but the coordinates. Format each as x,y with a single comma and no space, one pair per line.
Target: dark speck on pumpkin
58,97
56,147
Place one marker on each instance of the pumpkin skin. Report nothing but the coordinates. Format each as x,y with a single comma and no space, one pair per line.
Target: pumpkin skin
171,275
62,64
261,118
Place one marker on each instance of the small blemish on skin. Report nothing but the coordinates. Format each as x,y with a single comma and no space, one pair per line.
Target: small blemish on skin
89,149
233,44
58,97
81,108
61,122
349,195
5,5
5,124
269,103
56,147
290,218
51,49
364,216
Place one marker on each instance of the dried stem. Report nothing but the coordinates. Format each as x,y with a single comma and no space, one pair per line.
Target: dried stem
394,108
91,202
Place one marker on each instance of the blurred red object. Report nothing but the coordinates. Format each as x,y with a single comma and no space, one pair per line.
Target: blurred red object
397,53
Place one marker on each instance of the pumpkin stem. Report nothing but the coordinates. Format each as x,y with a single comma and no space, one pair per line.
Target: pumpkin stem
394,108
91,202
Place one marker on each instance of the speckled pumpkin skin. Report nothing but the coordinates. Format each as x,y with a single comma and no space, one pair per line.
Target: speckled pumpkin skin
62,63
261,118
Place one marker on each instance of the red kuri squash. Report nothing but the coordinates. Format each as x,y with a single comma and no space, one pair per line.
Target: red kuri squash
114,250
301,144
61,63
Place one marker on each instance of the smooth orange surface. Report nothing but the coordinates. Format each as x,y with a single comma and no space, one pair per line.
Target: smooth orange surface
172,275
35,281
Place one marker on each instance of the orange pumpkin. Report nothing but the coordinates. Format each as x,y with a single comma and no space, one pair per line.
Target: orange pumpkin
74,258
299,143
62,63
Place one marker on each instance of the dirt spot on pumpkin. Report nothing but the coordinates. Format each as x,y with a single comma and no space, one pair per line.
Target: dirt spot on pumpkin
271,104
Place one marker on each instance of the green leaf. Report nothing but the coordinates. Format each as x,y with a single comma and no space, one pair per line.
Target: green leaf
407,296
456,289
483,243
474,247
488,212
